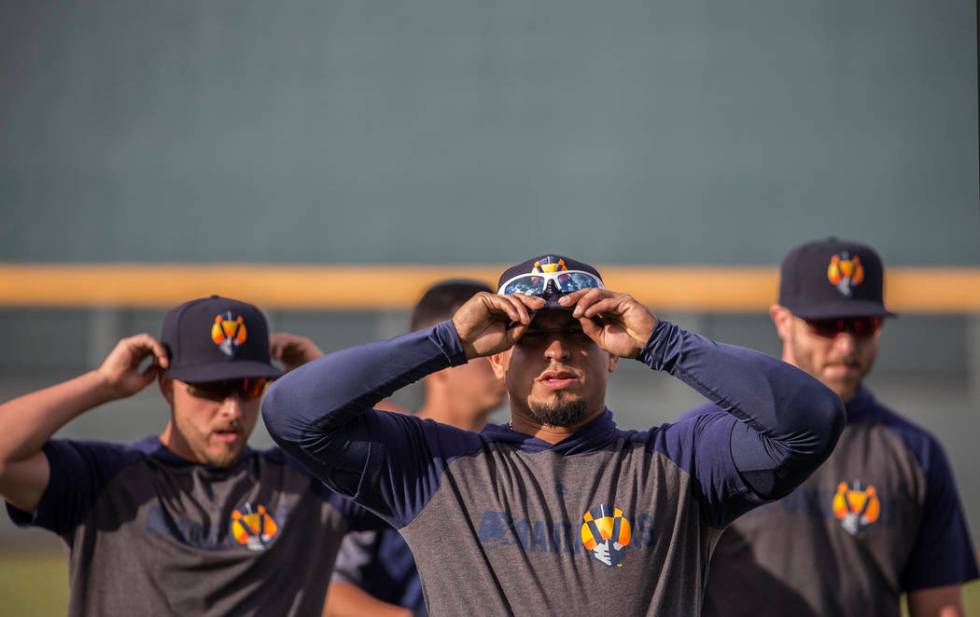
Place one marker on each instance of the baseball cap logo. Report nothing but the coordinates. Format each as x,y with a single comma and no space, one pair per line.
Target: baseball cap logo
549,264
845,272
229,333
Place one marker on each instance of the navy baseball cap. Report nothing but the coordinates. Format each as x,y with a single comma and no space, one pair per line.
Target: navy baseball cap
215,338
560,275
828,279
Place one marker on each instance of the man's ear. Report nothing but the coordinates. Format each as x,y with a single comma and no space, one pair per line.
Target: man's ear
166,383
613,363
785,323
500,362
782,318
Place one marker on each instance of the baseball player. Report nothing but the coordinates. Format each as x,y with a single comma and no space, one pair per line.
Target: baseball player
193,521
375,572
881,517
558,512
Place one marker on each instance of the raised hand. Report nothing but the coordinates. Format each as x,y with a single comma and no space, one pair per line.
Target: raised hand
623,326
121,368
292,351
489,323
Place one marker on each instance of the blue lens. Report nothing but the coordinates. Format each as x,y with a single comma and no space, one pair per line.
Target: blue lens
574,281
529,285
565,282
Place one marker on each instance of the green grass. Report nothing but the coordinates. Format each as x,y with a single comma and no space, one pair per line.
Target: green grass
971,598
33,584
36,585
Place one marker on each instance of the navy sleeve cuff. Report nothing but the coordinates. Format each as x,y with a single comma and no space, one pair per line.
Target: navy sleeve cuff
656,351
446,338
19,517
51,509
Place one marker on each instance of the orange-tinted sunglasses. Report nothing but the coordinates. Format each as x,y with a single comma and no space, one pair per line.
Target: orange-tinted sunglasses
859,327
247,389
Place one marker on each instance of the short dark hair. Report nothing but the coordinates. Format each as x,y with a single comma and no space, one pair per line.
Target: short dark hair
441,300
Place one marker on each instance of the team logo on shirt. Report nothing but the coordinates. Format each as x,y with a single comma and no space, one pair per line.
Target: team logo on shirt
856,506
606,534
228,333
549,264
845,272
253,528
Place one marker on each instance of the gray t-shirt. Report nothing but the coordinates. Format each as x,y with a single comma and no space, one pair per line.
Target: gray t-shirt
605,522
152,534
879,518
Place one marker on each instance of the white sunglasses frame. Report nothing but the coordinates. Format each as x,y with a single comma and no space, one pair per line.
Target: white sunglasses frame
550,276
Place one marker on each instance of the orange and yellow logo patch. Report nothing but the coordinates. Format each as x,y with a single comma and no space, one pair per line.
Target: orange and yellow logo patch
228,333
845,273
606,533
549,265
254,529
856,507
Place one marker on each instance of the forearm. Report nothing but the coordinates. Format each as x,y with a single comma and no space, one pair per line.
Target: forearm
790,421
326,394
936,602
348,600
27,422
321,413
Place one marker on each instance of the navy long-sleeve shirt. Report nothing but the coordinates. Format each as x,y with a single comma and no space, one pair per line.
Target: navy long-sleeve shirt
504,523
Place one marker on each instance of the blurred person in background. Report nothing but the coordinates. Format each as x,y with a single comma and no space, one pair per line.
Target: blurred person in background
558,512
882,516
375,572
192,522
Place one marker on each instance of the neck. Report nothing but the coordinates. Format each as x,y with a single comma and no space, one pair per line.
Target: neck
174,441
442,408
522,422
847,397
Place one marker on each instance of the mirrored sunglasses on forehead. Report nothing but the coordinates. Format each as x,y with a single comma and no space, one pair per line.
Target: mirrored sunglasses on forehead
536,283
859,327
247,389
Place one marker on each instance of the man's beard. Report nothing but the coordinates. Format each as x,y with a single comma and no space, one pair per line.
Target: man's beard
561,412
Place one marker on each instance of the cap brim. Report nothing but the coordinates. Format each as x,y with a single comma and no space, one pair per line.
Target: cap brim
224,370
847,308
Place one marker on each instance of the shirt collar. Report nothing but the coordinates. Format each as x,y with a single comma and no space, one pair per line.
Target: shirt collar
861,406
590,437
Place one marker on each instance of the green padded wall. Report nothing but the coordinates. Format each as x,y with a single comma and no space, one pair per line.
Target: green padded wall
653,131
